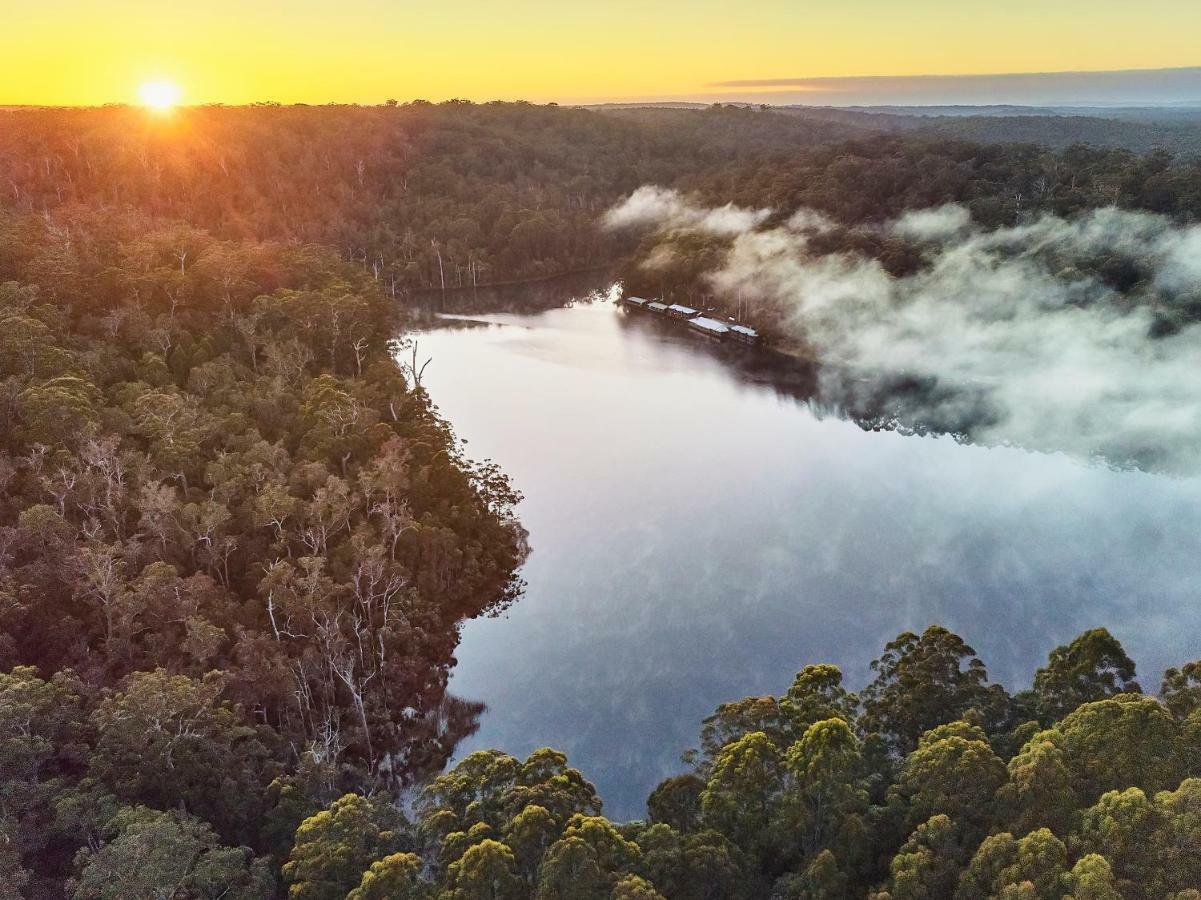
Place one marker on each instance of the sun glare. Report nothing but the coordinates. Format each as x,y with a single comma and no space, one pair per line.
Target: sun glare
160,96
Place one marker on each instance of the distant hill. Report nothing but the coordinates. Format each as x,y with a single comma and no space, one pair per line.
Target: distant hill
1140,129
1163,114
1059,132
1136,129
951,110
607,107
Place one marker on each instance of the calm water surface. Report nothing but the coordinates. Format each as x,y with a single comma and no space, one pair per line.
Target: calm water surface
699,536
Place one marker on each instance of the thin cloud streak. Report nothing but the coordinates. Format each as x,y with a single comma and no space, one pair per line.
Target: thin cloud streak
1156,86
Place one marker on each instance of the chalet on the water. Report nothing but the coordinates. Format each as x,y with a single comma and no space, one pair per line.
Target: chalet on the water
709,327
695,320
744,333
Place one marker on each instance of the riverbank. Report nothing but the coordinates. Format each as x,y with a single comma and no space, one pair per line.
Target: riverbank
523,296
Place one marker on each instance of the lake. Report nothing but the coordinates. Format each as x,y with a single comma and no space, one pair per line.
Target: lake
701,531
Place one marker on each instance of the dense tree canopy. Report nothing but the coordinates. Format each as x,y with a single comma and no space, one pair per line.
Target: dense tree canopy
235,544
418,195
1103,803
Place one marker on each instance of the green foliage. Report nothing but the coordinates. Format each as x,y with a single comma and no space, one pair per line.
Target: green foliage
571,871
167,741
237,532
694,866
43,740
491,788
822,880
677,802
815,695
334,847
423,195
1181,689
1092,879
150,855
825,766
1092,667
395,877
1040,791
923,682
1097,799
953,771
1148,841
1034,867
743,798
487,871
529,834
927,865
631,887
1129,740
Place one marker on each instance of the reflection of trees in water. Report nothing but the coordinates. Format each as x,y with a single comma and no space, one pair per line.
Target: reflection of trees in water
788,376
875,401
434,737
519,297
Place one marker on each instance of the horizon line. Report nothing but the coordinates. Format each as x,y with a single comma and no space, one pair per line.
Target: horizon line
1174,85
810,79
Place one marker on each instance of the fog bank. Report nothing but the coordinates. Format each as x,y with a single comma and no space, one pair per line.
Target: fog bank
1012,334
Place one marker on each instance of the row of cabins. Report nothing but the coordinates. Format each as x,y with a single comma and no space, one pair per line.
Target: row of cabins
710,327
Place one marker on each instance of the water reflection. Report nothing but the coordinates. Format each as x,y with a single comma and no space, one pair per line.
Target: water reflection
700,531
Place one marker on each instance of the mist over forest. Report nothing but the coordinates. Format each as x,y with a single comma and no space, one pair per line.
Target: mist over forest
1054,334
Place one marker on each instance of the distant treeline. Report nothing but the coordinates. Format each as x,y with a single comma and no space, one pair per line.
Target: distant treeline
862,185
454,194
420,195
1140,130
880,178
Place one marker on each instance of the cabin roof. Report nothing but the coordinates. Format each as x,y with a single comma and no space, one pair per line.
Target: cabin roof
711,325
745,329
639,301
676,307
656,305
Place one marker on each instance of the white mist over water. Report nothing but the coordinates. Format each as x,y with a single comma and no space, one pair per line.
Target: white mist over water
1010,319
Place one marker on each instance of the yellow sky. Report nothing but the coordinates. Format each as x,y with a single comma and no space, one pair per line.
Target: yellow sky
235,51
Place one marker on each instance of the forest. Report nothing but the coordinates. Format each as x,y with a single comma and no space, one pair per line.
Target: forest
237,540
860,185
420,195
1176,129
448,195
234,535
931,783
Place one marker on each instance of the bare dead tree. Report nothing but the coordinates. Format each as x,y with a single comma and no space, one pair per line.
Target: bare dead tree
413,370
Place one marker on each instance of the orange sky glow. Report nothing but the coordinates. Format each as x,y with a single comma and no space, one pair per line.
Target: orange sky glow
75,52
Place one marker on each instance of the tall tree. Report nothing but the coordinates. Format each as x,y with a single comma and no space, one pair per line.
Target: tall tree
1092,667
925,681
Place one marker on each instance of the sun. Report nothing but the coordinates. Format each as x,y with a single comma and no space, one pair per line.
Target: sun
160,96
